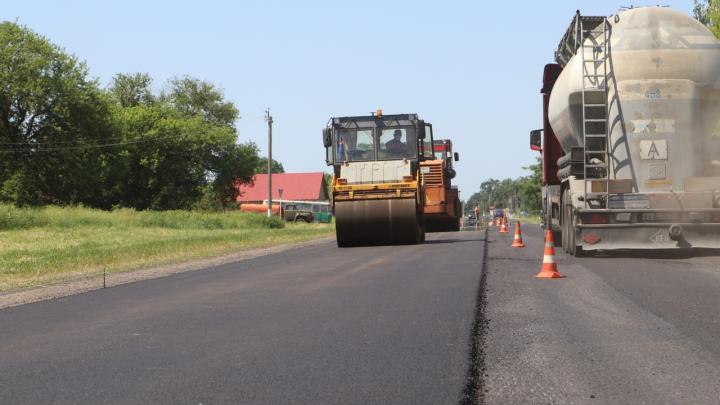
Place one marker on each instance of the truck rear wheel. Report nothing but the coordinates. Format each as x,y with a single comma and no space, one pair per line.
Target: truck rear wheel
568,228
551,211
563,222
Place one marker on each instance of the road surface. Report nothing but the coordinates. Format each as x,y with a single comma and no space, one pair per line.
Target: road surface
441,323
635,329
317,325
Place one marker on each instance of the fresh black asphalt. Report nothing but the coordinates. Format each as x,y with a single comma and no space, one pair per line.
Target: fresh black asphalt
388,324
460,319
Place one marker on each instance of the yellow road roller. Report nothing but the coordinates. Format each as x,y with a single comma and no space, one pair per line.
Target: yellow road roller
377,192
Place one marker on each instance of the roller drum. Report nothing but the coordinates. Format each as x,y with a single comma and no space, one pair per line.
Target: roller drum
377,222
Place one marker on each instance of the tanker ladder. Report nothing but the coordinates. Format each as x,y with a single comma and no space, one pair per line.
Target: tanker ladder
594,37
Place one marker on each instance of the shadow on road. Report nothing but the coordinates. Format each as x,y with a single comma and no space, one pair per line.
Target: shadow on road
440,241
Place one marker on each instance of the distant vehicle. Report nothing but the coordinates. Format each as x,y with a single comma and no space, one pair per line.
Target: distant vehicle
321,210
291,212
471,220
498,213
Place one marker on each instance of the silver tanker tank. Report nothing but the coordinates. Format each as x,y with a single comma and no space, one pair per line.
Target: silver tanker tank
663,98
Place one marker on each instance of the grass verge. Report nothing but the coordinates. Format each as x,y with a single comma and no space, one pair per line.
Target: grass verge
40,246
530,219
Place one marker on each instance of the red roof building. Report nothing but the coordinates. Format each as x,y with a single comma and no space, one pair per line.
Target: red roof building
295,186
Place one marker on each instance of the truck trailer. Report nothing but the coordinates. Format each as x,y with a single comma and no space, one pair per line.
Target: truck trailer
630,142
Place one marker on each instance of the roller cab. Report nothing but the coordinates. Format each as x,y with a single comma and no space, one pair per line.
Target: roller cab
377,191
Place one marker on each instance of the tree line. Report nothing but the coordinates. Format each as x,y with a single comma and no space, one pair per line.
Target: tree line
66,140
708,13
521,195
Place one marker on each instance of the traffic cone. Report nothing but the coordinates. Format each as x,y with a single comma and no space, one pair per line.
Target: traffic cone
549,267
518,242
504,226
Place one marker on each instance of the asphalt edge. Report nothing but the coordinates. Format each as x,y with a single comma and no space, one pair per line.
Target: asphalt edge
87,283
474,390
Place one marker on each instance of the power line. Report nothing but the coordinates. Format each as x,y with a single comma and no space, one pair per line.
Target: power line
60,142
80,147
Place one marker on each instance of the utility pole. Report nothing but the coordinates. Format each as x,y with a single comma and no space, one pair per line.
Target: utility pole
280,191
269,120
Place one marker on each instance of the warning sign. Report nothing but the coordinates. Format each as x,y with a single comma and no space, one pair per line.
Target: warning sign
660,237
653,149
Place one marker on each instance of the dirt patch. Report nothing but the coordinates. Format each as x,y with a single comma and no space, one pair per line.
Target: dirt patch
95,282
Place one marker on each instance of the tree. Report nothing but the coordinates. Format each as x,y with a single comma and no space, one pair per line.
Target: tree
329,184
500,193
64,140
261,166
131,90
232,165
49,110
708,13
530,189
181,150
194,97
171,160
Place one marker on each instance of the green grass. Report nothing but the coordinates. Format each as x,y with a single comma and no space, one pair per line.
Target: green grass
39,246
530,219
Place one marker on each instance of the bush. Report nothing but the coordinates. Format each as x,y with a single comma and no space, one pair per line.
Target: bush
73,217
21,218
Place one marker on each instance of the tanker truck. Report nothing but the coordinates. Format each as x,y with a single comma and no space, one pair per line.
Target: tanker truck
630,141
377,189
442,201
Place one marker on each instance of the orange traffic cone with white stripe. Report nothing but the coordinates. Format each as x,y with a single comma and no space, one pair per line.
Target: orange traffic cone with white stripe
504,226
549,267
517,241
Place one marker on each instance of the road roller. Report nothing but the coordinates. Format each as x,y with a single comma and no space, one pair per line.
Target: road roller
376,188
630,142
442,200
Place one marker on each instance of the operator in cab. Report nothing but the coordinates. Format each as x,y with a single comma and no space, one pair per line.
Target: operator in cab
396,147
342,149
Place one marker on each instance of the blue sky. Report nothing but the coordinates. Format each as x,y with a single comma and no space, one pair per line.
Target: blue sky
471,68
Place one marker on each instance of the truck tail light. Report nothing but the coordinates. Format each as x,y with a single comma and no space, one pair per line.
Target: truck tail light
595,218
341,182
592,238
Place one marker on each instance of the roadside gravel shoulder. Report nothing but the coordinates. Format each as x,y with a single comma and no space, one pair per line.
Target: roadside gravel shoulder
95,282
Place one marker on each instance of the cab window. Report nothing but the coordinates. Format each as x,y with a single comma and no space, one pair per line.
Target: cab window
396,143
